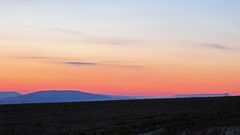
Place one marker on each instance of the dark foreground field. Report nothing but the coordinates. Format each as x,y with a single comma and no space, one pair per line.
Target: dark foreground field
201,116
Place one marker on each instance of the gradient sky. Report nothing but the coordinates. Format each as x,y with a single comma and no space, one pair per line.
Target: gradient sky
126,47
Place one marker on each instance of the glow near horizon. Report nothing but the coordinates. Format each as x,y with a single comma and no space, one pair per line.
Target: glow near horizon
137,47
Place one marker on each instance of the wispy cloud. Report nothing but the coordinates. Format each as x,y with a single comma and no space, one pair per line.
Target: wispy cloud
35,57
91,38
110,41
67,61
215,46
57,60
80,63
68,31
40,58
131,66
71,35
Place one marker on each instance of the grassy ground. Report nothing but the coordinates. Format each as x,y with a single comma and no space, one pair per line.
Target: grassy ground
168,116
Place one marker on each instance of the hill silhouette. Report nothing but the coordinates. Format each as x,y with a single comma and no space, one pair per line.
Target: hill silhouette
54,96
8,94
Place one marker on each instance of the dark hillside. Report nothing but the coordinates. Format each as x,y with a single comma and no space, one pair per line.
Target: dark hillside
163,116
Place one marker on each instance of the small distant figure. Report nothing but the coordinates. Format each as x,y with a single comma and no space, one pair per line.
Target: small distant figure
227,94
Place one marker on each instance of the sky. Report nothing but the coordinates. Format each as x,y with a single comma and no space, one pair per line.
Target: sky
121,47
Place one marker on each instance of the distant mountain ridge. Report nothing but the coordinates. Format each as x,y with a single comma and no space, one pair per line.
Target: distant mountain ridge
200,95
8,94
55,96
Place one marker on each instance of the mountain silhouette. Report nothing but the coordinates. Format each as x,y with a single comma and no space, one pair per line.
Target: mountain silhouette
54,96
200,95
8,94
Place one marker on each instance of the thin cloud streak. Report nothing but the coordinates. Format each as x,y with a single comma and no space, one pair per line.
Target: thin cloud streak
80,63
93,39
217,46
131,66
35,57
77,35
110,41
65,61
68,31
40,58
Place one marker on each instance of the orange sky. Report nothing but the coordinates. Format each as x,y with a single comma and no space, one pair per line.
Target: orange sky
157,49
160,75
